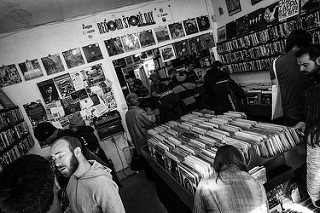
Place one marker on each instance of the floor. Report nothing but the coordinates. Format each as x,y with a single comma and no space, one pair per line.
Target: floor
138,194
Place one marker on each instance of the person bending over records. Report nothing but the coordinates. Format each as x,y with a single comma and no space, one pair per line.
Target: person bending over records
231,189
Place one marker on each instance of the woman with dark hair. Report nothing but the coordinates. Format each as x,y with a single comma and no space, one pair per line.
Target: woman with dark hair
231,188
312,138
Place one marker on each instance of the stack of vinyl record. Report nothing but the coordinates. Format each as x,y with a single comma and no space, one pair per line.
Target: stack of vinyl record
259,173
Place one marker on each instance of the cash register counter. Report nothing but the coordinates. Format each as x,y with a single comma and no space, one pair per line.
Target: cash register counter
280,169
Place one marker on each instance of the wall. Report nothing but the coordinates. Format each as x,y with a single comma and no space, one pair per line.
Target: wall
55,38
221,20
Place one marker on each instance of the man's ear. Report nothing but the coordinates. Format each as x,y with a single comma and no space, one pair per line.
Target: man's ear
77,151
318,61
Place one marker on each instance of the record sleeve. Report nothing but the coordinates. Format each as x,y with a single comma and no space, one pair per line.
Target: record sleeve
9,75
176,30
73,58
52,64
182,48
188,179
167,53
203,23
64,85
190,26
92,52
162,33
207,41
48,91
146,38
31,69
130,42
114,46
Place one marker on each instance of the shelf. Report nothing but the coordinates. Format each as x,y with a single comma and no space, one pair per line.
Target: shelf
17,141
11,125
278,176
8,109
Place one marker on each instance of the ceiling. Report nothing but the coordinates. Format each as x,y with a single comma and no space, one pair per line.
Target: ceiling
22,14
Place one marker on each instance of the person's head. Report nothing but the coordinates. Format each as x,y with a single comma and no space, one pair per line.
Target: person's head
27,185
217,65
155,77
66,152
49,90
228,155
163,87
132,99
308,59
298,39
137,82
188,65
45,133
76,120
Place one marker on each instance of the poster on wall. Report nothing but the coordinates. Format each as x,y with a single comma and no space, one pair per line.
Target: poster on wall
146,38
288,8
31,69
162,33
182,48
222,34
52,64
48,91
194,44
167,53
190,26
233,6
176,30
114,46
64,85
130,42
70,105
203,23
9,75
270,13
93,75
36,112
77,80
308,5
73,58
92,52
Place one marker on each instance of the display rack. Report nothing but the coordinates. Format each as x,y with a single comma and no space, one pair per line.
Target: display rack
15,138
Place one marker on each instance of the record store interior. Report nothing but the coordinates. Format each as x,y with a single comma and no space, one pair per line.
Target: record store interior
162,106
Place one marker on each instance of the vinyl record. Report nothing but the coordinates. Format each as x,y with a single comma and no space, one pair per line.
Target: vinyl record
190,26
203,23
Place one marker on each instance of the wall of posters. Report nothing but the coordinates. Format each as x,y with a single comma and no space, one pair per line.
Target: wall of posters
52,64
9,75
31,69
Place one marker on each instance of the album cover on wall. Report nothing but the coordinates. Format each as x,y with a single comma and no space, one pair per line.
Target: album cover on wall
9,75
48,91
64,85
36,112
203,23
94,75
190,26
207,41
52,64
146,38
182,48
176,30
162,33
194,44
73,58
167,53
130,42
31,69
70,105
114,46
92,52
222,34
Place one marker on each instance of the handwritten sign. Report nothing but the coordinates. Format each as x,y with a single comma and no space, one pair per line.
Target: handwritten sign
288,8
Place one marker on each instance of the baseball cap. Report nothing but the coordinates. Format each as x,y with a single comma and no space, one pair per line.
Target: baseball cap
43,131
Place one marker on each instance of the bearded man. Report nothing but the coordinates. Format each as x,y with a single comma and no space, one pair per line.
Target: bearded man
90,188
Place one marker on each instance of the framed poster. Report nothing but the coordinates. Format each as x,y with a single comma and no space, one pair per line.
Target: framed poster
233,6
73,58
31,69
52,64
167,53
176,30
9,75
222,34
146,38
92,52
162,33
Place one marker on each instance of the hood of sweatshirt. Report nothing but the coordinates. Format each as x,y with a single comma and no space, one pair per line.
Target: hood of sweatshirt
95,170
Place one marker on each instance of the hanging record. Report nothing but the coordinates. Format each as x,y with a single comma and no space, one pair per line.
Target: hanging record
190,26
203,23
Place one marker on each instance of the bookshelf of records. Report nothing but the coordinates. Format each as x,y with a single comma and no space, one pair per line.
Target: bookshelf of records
15,138
185,149
253,41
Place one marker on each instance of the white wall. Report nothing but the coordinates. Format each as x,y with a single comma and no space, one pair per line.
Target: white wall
221,20
55,38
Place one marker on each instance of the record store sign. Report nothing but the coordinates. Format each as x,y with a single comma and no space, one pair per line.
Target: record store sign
139,19
288,8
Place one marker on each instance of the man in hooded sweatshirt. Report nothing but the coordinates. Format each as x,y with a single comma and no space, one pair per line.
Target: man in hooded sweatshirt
90,188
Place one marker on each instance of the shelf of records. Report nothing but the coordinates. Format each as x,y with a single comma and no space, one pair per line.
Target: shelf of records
12,135
9,117
186,148
16,150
